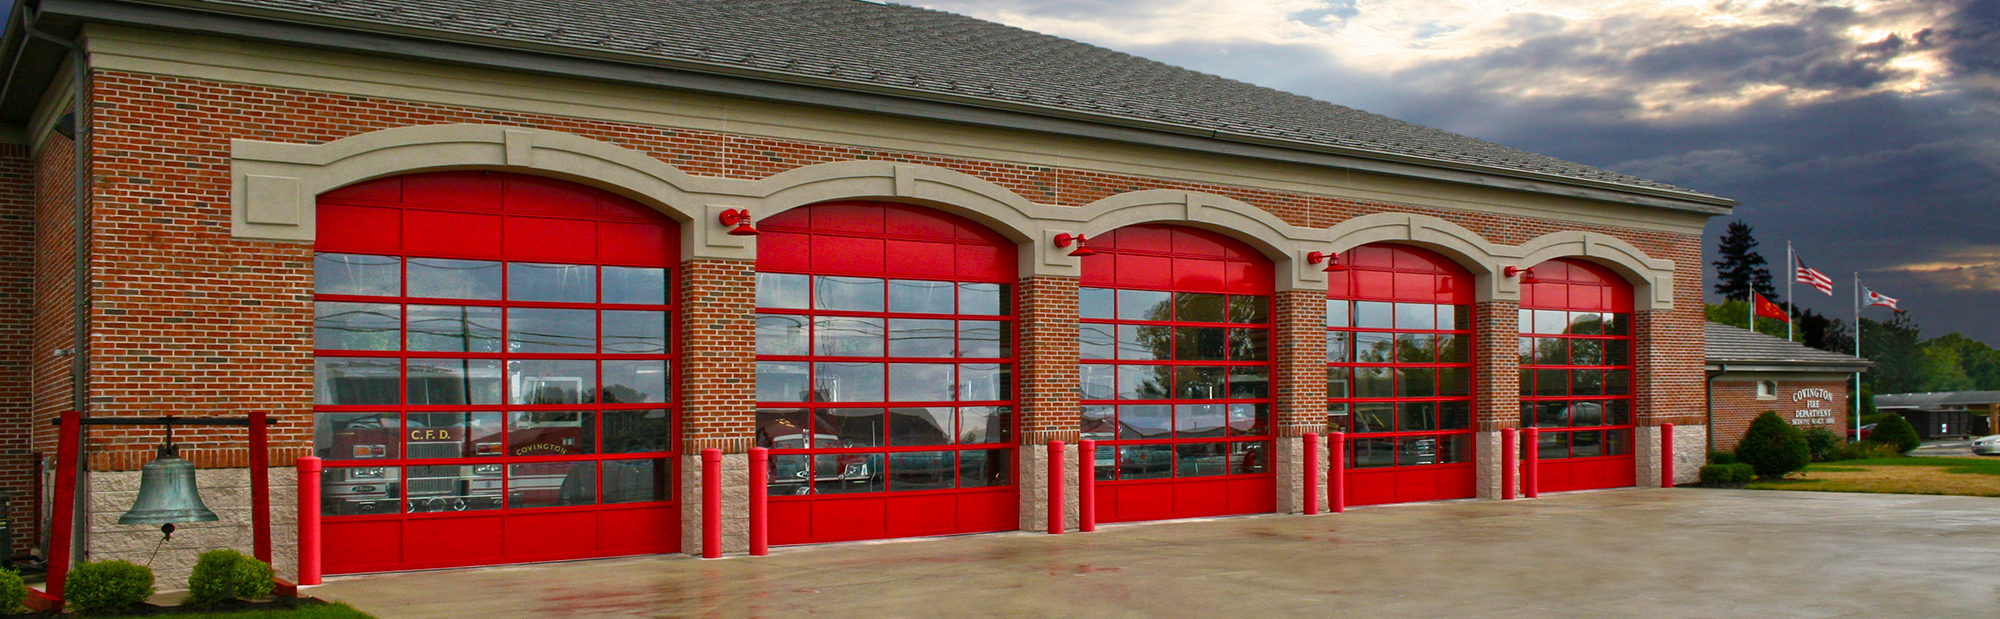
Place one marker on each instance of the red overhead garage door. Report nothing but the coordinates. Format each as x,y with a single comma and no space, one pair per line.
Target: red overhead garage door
1399,374
492,375
1176,367
885,373
1576,375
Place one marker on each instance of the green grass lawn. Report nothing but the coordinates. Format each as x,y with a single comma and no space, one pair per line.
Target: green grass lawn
1923,475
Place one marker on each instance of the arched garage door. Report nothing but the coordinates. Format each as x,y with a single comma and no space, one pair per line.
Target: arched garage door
1576,375
1175,373
1399,374
492,379
885,373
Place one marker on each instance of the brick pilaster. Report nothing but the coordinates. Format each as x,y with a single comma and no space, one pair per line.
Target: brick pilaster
1047,360
1298,362
718,355
1496,389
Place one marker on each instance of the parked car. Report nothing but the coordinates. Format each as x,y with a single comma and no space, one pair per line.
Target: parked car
1987,445
1865,431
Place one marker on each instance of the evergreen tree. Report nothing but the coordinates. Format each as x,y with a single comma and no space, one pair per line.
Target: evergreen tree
1741,269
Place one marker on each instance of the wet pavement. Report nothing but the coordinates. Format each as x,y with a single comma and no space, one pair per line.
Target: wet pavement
1621,553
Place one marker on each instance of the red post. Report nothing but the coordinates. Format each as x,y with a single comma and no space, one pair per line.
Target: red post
1055,487
1666,455
309,530
63,517
1312,474
760,491
260,489
1508,444
1336,474
1086,485
711,503
1531,465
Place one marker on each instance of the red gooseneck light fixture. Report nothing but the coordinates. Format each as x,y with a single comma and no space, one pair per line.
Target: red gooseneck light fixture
739,218
1527,274
1082,244
1332,261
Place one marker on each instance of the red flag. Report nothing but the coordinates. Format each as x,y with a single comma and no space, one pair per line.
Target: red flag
1767,309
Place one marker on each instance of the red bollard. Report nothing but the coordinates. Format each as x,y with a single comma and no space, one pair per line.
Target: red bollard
260,489
309,515
1531,465
1312,474
1055,488
760,491
1507,447
1086,485
711,503
1336,475
1666,455
63,517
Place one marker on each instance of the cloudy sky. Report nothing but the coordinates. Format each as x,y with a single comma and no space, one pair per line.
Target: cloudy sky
1867,133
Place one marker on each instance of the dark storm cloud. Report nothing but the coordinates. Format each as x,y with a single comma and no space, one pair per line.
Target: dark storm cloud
1827,140
1973,38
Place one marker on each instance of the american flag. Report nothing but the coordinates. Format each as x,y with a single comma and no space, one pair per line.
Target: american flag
1812,277
1877,298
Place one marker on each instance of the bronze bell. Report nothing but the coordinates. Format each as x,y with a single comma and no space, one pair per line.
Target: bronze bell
167,494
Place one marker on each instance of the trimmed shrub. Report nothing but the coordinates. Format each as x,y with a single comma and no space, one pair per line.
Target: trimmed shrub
1894,430
1822,442
1734,474
1773,446
104,586
222,575
12,592
1721,457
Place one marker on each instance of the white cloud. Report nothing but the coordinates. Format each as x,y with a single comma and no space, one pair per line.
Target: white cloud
1540,49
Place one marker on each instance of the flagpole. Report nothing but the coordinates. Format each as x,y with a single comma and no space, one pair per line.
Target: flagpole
1789,298
1857,354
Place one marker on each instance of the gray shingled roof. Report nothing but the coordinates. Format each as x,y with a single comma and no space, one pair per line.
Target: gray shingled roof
1730,344
1935,399
926,52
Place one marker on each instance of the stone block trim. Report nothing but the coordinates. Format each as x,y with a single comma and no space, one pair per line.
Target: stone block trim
1046,316
226,491
1298,356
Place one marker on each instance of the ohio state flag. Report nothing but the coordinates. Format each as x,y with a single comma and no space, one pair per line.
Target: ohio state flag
1767,309
1876,298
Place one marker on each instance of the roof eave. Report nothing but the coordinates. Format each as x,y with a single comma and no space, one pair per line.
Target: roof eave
389,39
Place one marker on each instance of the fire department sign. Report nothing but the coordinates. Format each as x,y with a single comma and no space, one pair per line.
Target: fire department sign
1815,407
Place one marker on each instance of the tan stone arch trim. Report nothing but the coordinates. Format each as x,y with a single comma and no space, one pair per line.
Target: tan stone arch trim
1652,278
1483,258
1283,243
274,185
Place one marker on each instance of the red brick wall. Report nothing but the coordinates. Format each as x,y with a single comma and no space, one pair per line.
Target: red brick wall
1298,359
55,285
17,305
718,355
1496,387
196,322
1047,316
1736,403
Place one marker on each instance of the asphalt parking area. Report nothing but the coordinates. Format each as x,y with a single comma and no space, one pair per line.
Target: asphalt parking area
1684,552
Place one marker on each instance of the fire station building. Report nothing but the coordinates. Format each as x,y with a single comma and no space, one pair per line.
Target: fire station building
508,268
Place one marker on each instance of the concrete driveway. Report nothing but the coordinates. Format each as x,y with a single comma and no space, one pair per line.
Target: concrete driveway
1622,553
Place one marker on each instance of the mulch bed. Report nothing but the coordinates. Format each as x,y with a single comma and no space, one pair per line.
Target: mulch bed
146,610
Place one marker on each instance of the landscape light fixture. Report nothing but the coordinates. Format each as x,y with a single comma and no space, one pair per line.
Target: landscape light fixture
1082,244
1332,261
739,218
